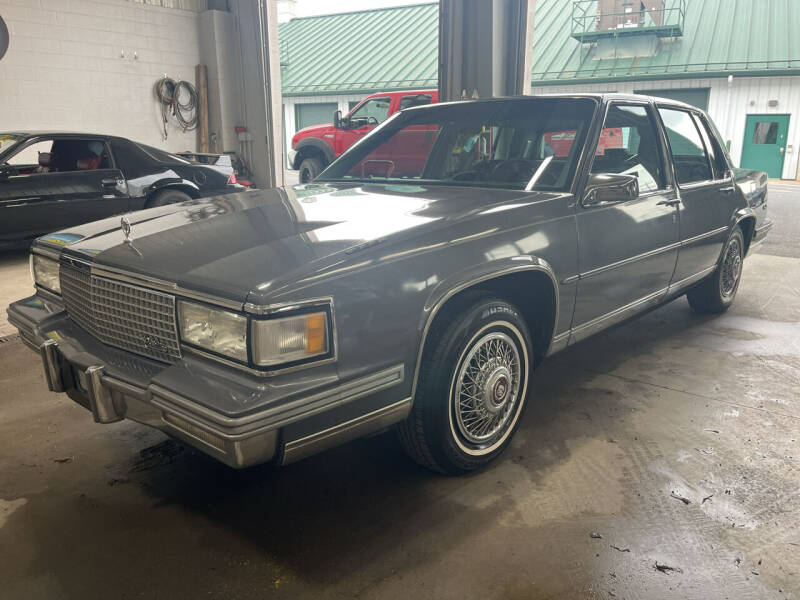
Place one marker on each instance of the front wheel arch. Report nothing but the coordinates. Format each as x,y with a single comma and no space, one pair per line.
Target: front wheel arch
533,288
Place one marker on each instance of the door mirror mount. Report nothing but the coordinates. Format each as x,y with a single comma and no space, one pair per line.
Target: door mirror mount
610,188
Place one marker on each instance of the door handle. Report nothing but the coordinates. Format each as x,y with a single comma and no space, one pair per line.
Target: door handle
728,189
675,202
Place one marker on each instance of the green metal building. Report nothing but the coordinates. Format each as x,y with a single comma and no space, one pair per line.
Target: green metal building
738,59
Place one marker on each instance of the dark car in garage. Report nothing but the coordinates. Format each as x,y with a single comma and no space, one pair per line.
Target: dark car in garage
396,289
49,180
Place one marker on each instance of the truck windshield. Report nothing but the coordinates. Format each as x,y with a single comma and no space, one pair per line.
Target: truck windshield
529,143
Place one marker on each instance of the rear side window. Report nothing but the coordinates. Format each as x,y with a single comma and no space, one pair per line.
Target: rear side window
718,163
415,100
692,163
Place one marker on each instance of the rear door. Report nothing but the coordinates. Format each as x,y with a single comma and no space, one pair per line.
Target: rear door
75,183
706,191
627,250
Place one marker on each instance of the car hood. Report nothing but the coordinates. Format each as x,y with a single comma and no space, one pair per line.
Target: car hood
230,245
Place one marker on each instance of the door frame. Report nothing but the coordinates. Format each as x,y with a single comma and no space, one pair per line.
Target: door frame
745,142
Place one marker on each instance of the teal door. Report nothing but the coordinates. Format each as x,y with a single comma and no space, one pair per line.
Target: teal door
764,144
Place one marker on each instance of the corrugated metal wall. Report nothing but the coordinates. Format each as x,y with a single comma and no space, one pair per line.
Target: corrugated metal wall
729,109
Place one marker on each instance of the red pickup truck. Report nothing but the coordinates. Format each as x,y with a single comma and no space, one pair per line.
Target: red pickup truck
315,147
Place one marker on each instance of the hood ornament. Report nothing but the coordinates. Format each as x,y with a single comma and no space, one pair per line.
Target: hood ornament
125,225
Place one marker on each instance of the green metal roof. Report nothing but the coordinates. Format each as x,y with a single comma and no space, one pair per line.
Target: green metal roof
364,51
720,37
397,48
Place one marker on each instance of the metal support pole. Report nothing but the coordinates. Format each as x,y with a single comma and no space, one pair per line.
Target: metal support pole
485,48
256,26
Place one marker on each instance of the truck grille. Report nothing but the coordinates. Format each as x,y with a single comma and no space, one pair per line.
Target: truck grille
122,315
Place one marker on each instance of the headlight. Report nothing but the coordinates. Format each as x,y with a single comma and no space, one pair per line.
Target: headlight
45,272
291,339
219,331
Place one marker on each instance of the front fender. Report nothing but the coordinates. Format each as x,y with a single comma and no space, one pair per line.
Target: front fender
316,144
471,276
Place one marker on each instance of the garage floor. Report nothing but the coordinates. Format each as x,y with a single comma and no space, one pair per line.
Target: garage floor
659,460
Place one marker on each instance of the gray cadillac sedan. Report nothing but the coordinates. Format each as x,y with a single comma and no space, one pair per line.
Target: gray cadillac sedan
416,283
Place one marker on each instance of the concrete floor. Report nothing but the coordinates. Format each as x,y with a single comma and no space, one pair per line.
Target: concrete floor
585,504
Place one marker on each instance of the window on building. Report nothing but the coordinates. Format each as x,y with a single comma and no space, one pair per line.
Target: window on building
688,152
765,132
628,145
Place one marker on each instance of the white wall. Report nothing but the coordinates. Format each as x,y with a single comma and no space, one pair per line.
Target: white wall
748,95
63,68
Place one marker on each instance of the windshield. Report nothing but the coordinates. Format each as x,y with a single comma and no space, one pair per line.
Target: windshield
531,142
8,139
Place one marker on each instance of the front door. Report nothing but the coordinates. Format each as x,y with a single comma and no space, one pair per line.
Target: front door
764,146
627,250
65,189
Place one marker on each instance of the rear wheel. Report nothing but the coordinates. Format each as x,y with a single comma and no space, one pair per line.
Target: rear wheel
472,386
165,197
716,294
309,169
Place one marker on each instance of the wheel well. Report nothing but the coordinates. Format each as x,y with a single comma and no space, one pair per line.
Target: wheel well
186,189
748,226
533,294
309,152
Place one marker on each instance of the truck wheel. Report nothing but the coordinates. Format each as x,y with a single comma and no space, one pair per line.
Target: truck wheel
716,294
165,197
309,169
472,386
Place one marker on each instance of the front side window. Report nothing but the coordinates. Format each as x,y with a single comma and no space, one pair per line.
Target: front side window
501,143
374,111
688,152
61,156
629,145
29,155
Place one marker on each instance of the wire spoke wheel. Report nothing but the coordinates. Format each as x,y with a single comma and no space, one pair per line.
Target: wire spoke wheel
487,389
731,269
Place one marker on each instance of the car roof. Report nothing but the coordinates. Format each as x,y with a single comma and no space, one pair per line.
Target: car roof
40,133
603,97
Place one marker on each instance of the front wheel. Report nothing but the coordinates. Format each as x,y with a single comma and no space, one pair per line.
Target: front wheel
309,169
716,294
472,386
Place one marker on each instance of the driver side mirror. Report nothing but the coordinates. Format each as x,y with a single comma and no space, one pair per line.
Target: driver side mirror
610,188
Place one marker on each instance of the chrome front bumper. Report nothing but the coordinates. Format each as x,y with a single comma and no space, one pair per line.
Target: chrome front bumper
236,440
110,400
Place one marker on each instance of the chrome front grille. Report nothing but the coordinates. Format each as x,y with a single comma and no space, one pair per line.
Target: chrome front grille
119,314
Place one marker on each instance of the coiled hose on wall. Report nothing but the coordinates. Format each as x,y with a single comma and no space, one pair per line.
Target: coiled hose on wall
178,99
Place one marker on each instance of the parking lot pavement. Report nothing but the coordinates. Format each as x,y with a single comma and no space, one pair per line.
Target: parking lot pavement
656,460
